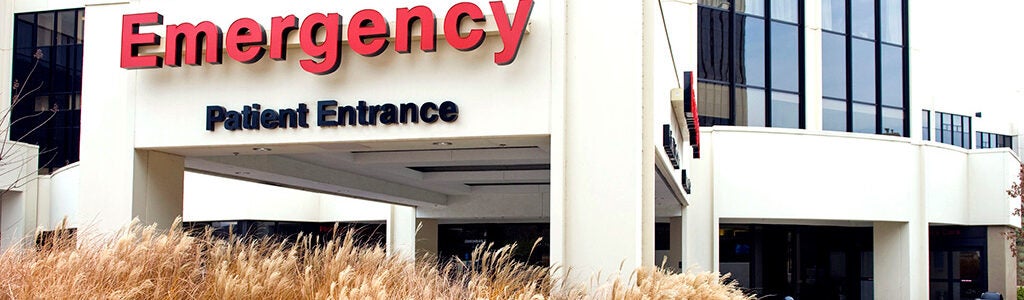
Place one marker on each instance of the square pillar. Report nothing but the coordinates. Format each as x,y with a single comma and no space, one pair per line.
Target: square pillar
675,244
900,260
1002,265
602,142
426,237
401,231
118,182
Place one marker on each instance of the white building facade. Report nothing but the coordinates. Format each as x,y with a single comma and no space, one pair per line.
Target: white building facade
840,152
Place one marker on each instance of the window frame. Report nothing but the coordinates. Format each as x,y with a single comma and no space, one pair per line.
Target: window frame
733,82
965,130
877,43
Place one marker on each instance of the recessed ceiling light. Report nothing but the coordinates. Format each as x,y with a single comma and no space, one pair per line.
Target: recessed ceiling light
442,143
261,149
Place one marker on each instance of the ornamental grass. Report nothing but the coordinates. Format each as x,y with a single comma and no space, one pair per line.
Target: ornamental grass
142,262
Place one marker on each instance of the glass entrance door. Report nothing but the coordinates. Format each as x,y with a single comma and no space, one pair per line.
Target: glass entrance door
957,274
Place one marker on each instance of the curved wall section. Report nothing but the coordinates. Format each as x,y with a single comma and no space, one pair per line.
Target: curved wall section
803,176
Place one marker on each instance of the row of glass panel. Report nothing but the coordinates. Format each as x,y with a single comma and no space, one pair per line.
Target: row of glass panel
834,14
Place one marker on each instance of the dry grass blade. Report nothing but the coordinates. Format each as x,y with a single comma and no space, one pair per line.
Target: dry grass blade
141,262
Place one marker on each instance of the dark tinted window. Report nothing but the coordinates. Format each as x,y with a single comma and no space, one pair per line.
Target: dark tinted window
49,46
993,140
714,42
926,127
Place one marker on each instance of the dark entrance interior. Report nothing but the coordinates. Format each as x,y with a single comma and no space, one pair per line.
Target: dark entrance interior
457,241
805,262
957,262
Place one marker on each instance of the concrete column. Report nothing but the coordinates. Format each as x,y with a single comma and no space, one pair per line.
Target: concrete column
117,182
6,59
426,237
700,219
159,187
19,206
675,244
900,260
812,67
1002,266
602,200
401,231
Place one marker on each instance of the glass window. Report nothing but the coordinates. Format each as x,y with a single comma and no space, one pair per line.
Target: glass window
954,130
713,45
719,4
733,63
862,66
66,22
891,19
785,10
44,29
946,126
750,52
833,114
785,57
785,110
864,118
862,15
750,107
892,121
892,76
863,61
833,65
56,80
750,7
926,127
833,15
713,104
958,129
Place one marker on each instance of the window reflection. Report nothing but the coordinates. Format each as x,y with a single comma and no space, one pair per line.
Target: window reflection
745,97
785,10
833,115
833,15
892,121
750,107
862,15
785,110
891,19
892,76
785,57
953,129
751,7
713,103
833,65
863,63
750,52
864,118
